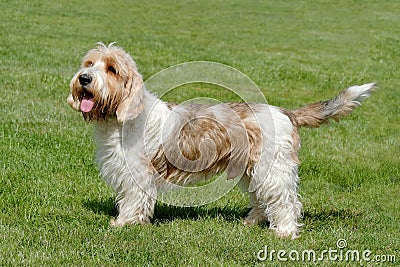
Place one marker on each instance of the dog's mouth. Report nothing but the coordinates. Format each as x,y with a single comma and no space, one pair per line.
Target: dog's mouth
87,101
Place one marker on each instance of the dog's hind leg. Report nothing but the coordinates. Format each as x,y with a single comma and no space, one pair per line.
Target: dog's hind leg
256,214
278,195
275,180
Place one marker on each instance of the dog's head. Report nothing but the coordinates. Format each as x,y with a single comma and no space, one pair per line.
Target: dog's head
107,84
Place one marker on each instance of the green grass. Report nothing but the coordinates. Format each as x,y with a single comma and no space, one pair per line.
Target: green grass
55,208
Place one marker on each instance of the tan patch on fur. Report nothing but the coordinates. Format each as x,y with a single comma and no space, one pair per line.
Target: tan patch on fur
321,112
208,141
295,145
311,115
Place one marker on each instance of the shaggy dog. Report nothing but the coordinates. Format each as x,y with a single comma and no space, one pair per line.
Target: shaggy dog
145,146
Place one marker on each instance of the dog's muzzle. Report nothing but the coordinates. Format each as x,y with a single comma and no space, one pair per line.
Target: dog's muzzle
85,97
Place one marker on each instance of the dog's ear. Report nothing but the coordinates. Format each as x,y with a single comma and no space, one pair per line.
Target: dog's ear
133,100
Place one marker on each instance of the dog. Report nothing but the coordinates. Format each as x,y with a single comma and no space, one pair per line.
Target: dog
145,145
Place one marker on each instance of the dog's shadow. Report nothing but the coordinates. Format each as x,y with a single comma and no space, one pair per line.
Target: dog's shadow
320,218
102,206
164,213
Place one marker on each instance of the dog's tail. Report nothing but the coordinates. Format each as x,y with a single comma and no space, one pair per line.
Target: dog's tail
342,105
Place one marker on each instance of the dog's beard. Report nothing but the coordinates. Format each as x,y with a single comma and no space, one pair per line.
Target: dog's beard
94,109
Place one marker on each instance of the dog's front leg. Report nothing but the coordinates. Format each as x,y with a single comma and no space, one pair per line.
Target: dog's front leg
135,201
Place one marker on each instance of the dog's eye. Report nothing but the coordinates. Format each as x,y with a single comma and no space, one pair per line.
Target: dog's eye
89,64
112,69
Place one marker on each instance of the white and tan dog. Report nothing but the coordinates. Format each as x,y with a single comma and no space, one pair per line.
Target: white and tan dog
145,144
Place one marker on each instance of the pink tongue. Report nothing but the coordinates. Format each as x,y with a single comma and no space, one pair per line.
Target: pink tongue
87,104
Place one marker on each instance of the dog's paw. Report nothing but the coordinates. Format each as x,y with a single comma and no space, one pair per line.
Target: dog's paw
117,223
253,219
249,222
286,233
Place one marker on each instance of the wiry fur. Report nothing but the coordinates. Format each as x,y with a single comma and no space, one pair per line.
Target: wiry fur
143,144
318,113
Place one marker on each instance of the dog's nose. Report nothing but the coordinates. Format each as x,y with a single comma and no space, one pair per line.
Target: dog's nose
85,79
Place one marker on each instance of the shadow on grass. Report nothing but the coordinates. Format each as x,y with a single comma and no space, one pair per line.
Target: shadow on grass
313,219
164,213
331,214
102,206
348,218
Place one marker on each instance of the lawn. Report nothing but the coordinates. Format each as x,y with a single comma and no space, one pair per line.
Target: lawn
55,209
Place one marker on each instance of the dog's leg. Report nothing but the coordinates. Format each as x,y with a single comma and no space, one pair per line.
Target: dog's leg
256,214
135,203
278,196
274,179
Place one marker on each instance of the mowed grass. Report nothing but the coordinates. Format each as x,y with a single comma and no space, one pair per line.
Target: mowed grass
55,209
